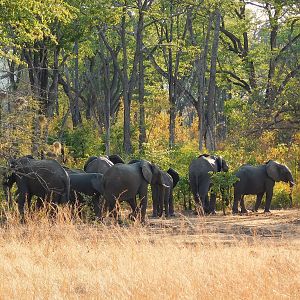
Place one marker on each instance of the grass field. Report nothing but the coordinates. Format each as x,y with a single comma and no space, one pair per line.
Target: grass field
188,257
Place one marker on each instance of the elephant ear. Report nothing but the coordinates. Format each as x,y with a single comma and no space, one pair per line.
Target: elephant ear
147,171
116,159
273,170
219,163
90,159
174,175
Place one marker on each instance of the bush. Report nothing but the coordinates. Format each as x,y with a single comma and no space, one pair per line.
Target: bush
222,185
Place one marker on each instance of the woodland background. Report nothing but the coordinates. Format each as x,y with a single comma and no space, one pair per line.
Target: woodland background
162,80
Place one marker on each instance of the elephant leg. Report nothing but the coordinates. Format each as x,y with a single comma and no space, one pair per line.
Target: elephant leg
258,201
205,204
97,205
237,198
113,210
200,206
166,197
155,201
243,208
269,196
143,205
171,205
212,203
134,209
21,203
39,203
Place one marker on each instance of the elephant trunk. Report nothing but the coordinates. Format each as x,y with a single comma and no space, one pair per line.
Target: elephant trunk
7,194
291,180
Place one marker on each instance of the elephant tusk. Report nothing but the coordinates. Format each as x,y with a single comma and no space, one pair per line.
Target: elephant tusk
292,183
166,186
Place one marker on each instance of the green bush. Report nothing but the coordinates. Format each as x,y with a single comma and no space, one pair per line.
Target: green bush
222,185
281,199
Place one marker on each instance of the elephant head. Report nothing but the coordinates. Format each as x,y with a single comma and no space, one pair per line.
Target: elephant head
279,172
7,184
151,173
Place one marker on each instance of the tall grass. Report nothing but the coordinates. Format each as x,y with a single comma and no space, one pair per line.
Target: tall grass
64,259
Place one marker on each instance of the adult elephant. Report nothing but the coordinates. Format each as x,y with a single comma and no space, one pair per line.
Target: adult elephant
163,197
200,181
45,179
259,180
96,164
123,182
89,184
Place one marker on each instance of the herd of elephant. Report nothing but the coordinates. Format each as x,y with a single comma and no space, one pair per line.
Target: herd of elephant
109,180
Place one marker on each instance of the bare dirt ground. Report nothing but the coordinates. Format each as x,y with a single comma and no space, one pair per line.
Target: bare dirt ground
279,226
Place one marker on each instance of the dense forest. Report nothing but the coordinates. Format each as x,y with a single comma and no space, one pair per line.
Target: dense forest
164,80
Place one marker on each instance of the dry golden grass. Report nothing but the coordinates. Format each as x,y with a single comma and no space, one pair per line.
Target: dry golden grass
63,260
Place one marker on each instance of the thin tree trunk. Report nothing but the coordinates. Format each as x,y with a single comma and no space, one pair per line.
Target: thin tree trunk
76,117
107,107
53,90
270,90
126,100
202,65
43,78
172,99
142,126
210,131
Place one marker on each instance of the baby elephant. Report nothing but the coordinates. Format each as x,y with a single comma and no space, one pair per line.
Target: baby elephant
258,181
163,196
89,184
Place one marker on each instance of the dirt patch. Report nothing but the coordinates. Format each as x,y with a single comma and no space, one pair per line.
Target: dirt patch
278,225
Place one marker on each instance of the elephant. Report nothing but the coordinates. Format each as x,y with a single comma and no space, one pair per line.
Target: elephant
124,181
89,184
258,180
45,179
200,181
165,197
96,164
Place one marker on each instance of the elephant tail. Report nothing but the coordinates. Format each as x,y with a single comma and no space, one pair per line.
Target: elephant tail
194,182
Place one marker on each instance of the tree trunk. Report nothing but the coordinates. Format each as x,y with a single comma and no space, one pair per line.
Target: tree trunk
107,107
126,100
171,81
202,65
53,90
142,126
76,117
210,131
270,90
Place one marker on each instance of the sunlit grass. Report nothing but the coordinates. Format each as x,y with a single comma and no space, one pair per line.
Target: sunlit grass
63,258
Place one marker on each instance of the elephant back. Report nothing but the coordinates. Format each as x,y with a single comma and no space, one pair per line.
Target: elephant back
47,175
203,164
98,165
90,159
